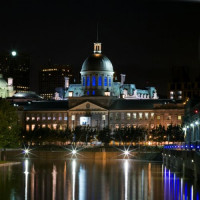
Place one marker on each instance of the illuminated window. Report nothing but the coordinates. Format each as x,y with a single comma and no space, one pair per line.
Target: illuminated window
140,115
128,125
93,81
146,115
158,117
169,117
27,118
43,125
117,126
88,81
100,81
27,127
134,116
32,127
105,81
65,117
70,93
73,117
152,125
43,117
54,126
88,92
152,115
128,116
122,125
54,116
134,126
93,92
103,117
109,81
179,117
32,118
83,81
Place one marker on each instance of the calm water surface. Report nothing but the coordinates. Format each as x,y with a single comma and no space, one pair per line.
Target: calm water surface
86,179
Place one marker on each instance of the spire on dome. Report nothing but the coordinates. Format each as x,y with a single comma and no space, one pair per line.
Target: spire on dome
97,45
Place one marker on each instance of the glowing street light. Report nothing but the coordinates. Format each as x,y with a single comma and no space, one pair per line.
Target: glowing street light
13,53
74,152
126,152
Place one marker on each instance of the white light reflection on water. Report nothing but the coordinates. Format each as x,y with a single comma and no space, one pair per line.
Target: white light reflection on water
73,178
82,184
54,173
126,166
26,178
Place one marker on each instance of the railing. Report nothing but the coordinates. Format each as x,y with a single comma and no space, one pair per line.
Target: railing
190,146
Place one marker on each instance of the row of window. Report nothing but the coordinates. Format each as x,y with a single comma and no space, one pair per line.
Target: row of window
140,116
107,81
51,126
48,116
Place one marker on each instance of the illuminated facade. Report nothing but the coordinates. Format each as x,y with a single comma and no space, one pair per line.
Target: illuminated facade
6,88
17,66
53,77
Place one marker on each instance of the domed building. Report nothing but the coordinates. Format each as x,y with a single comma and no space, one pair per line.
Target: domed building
97,80
6,89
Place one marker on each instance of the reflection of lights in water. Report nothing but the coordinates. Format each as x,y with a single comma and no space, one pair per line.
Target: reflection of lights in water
176,188
191,192
54,172
82,184
126,178
26,179
73,178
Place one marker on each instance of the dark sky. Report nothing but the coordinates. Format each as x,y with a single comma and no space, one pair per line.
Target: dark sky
141,38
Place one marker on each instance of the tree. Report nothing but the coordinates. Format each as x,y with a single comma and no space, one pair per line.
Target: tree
9,126
104,136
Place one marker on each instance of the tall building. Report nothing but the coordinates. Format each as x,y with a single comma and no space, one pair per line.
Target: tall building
17,66
52,77
181,86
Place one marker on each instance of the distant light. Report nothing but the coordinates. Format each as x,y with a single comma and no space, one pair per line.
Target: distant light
196,122
26,151
14,53
192,125
73,151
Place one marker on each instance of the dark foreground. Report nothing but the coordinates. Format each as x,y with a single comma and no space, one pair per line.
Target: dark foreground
90,179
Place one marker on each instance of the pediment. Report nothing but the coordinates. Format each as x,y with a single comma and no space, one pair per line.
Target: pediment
87,106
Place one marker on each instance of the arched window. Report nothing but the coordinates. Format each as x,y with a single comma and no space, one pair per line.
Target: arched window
109,81
105,81
93,81
83,81
100,81
88,81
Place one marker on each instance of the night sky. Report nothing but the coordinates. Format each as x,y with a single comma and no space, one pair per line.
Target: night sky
141,38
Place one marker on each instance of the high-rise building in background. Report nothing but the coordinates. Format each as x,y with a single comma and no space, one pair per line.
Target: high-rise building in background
16,65
52,77
181,86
